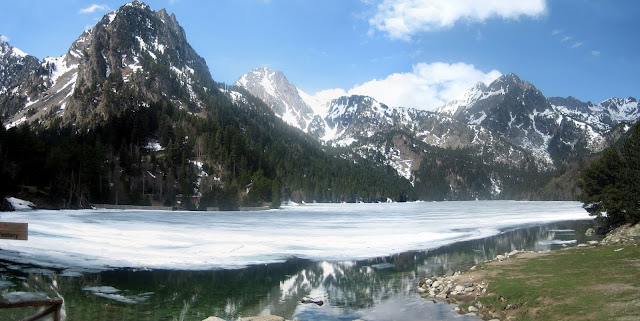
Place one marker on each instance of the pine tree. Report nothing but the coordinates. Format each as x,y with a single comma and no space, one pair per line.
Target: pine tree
611,185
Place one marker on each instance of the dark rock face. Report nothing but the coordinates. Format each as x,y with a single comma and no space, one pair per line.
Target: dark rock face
133,50
20,80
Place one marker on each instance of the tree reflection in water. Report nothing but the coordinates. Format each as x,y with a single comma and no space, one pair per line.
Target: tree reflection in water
376,289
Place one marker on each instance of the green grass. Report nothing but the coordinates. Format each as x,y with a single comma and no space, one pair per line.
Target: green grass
597,283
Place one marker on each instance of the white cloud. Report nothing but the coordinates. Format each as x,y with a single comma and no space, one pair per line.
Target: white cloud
427,86
4,38
595,53
577,44
93,8
403,18
556,32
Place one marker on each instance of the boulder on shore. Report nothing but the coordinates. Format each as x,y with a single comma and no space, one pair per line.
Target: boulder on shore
626,234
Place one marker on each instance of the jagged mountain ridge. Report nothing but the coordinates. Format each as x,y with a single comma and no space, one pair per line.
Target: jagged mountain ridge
281,96
508,122
351,121
130,46
136,52
131,114
555,129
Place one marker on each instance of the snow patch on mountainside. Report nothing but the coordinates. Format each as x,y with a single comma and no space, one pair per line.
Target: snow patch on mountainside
319,102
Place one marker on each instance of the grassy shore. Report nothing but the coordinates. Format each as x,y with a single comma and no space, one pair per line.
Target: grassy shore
581,283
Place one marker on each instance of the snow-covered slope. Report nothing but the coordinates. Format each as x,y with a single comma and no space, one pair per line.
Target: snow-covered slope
374,130
508,121
277,92
554,129
132,48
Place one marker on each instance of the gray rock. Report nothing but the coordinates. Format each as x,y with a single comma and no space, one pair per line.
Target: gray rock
473,309
263,318
590,232
311,300
593,242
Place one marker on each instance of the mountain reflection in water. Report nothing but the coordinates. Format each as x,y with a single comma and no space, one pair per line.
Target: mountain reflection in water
376,289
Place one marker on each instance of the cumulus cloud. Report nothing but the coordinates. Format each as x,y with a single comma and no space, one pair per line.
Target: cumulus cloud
427,86
93,8
400,19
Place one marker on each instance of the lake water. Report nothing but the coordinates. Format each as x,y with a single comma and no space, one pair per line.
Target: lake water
363,260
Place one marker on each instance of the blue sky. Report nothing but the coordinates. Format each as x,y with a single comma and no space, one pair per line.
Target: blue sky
414,53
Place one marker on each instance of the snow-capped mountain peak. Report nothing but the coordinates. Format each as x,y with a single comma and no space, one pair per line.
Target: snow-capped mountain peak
132,46
277,92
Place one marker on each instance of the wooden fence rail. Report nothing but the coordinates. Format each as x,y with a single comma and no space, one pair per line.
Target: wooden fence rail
54,307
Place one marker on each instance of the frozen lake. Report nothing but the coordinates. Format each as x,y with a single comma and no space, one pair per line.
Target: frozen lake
105,239
362,260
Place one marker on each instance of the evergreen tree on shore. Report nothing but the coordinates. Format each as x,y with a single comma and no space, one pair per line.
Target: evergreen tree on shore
611,185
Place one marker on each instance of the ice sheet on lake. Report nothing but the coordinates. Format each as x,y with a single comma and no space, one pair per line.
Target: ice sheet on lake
86,240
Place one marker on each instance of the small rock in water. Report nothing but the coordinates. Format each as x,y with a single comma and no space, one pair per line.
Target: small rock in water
263,318
473,309
311,300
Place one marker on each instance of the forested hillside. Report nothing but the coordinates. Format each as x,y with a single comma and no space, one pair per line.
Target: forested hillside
131,115
160,154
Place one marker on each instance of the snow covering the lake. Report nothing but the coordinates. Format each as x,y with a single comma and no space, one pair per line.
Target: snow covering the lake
84,240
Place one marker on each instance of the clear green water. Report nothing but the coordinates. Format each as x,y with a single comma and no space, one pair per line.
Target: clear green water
377,289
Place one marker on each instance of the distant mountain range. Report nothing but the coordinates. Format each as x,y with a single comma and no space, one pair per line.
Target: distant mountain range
135,84
509,120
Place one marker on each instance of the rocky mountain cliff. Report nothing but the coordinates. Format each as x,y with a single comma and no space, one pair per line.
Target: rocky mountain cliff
135,77
508,123
131,115
556,130
281,96
132,48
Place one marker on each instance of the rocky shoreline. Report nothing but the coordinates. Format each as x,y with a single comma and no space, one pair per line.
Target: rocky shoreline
465,288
